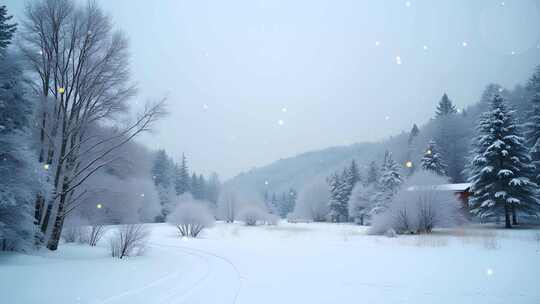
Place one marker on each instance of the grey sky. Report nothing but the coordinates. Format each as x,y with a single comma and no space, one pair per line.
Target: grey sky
327,70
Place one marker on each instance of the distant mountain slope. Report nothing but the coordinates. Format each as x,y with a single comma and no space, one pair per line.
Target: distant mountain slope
295,171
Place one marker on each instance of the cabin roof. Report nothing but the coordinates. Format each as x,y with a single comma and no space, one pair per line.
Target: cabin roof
460,187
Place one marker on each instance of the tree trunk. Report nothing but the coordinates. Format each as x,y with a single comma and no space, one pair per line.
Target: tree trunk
362,220
514,216
507,223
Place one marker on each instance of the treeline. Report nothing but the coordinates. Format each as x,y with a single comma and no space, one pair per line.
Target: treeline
173,179
494,145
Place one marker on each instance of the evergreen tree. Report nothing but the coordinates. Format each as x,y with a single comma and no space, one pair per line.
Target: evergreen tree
6,29
432,160
195,190
213,188
21,177
372,174
354,174
452,137
202,187
273,204
161,169
445,107
413,134
500,169
182,181
337,205
532,125
289,204
388,184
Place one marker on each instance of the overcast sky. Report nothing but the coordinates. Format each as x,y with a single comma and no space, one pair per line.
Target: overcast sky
250,81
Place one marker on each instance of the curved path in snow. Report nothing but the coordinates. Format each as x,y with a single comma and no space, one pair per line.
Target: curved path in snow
209,279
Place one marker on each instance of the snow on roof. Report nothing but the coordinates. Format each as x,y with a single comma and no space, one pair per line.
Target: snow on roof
443,187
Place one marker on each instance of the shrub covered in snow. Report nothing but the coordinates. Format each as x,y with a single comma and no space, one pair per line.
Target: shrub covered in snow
361,202
312,202
191,217
419,206
128,240
253,215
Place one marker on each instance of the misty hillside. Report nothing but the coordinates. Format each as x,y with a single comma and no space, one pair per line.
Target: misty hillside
296,171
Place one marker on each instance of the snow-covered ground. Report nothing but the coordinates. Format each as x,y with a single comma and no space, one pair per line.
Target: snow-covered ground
288,263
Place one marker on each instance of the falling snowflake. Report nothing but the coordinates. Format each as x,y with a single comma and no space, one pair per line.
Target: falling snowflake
46,166
464,44
205,106
266,182
408,4
377,43
281,122
99,206
284,110
425,47
489,272
387,118
398,60
502,3
142,194
512,53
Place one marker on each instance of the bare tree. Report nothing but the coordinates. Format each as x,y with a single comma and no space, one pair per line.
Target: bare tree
80,71
128,240
227,206
96,233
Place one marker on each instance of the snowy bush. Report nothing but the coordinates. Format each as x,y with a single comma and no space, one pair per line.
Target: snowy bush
253,215
419,206
312,202
272,219
128,240
360,203
390,233
191,218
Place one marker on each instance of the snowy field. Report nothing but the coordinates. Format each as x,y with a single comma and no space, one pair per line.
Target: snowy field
289,263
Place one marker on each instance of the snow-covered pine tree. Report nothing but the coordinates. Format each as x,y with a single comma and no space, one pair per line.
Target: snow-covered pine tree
432,160
21,176
195,189
500,170
532,125
413,134
354,174
388,184
372,174
162,169
338,209
202,187
6,29
213,188
445,107
273,204
182,181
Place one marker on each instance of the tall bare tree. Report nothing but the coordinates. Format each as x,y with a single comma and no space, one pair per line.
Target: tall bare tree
80,72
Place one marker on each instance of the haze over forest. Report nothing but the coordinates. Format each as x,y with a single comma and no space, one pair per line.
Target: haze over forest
234,71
